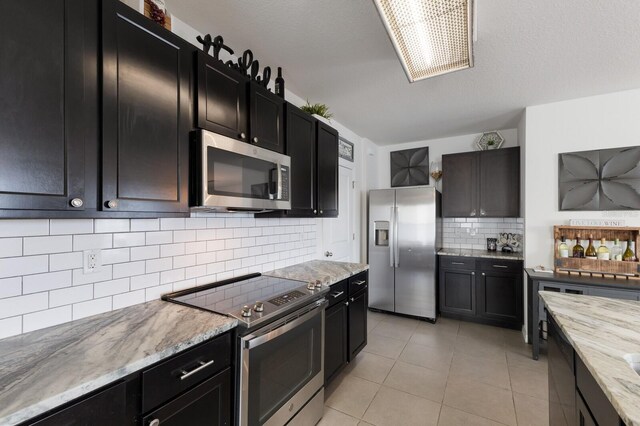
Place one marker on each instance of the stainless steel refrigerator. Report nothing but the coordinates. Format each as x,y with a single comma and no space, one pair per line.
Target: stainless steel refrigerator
405,228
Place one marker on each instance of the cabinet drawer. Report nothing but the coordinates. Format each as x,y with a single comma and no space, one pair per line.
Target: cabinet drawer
499,265
595,399
168,379
452,262
338,292
358,282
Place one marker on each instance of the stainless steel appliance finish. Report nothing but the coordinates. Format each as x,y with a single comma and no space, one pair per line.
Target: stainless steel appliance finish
404,236
280,344
237,176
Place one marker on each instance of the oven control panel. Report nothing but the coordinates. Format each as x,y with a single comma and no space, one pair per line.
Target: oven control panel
286,298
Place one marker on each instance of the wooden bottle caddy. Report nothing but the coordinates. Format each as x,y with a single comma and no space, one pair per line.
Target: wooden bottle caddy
610,268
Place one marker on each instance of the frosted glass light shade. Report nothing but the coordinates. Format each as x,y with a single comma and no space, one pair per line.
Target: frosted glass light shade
431,37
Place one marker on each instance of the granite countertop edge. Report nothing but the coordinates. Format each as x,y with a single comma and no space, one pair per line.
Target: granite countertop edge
485,254
68,395
327,271
625,412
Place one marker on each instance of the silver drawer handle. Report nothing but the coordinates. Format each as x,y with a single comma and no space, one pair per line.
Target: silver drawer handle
359,282
500,266
338,294
203,365
457,263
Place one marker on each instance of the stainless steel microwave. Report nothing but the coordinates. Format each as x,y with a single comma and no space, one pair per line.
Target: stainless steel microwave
238,176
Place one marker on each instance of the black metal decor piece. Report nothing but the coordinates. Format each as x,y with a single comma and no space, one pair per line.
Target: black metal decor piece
605,179
246,65
410,167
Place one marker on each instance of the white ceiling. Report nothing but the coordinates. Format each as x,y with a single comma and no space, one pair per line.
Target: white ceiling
337,52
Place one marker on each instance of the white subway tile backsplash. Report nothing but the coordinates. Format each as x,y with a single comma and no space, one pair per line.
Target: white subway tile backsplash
67,296
46,282
16,266
42,281
71,226
10,287
473,232
10,247
91,307
10,327
48,318
111,225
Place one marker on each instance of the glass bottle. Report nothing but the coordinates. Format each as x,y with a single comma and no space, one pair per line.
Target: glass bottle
603,250
616,250
563,248
578,250
591,253
628,255
280,84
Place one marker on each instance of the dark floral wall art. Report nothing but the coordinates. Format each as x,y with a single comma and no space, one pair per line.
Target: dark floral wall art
606,179
410,167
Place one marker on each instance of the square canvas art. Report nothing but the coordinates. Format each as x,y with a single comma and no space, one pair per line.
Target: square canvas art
410,167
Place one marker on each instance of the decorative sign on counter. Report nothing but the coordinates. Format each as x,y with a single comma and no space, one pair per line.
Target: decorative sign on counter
597,222
245,65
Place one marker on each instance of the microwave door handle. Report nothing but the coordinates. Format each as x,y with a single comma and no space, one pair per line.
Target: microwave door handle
279,184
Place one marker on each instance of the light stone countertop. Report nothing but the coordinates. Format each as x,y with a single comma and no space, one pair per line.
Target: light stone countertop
602,331
44,369
480,253
329,272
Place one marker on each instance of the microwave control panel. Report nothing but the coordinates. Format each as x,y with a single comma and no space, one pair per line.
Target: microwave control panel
285,182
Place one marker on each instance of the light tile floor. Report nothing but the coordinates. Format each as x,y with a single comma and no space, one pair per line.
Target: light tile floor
450,373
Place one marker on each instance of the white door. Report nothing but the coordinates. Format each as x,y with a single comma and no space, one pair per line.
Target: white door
337,233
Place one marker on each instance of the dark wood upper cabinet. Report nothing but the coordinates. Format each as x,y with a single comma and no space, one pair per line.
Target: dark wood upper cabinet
266,118
222,98
499,194
459,186
146,113
301,138
46,47
482,184
327,170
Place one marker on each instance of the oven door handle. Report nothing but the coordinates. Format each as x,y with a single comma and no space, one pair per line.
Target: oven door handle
254,340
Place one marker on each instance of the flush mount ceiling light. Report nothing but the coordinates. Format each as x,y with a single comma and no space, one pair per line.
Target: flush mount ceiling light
431,37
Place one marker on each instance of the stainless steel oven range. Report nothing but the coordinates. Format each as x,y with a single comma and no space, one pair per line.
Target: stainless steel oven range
280,345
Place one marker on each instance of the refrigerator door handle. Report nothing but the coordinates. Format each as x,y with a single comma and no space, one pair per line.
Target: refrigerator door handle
392,236
396,248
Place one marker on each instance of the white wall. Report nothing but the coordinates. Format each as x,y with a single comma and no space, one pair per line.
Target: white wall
437,147
596,122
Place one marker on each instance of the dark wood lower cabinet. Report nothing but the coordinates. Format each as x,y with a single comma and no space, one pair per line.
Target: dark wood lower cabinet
584,416
335,340
358,305
487,291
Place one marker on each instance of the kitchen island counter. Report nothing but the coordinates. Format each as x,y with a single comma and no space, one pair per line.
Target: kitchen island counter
44,369
602,331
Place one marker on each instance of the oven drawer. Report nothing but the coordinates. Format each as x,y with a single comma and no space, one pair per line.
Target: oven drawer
338,292
358,282
168,379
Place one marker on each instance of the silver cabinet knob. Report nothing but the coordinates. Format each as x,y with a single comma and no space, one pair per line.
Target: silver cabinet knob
321,212
482,212
246,311
255,139
353,299
473,212
112,204
315,212
154,422
76,202
483,274
258,307
473,273
243,135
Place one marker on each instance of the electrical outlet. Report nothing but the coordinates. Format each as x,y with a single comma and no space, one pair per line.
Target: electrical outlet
92,261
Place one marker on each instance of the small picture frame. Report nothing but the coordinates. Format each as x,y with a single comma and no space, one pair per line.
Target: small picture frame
345,149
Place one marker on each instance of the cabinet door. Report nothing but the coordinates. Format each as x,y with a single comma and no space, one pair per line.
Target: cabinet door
335,340
207,404
357,323
499,183
222,98
500,296
460,185
582,413
44,95
327,174
146,113
457,292
106,408
561,378
301,147
266,118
